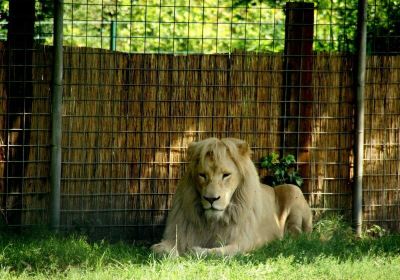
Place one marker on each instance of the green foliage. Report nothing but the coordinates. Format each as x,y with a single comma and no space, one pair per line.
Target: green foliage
281,171
179,26
384,27
375,231
3,19
211,26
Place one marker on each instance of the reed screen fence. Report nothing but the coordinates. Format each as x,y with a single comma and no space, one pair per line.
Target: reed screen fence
143,79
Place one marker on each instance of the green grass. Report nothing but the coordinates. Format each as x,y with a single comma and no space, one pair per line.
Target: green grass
330,252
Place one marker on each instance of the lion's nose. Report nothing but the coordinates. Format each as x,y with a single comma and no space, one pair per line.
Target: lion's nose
211,199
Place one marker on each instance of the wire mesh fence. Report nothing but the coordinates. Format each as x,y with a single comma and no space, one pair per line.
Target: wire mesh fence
382,111
200,26
142,79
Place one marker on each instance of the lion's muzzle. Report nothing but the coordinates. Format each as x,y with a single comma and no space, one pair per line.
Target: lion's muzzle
211,208
213,203
211,199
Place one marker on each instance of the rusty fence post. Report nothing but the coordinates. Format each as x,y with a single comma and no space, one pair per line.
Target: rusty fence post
296,123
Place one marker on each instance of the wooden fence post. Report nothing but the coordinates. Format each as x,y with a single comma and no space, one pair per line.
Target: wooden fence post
297,90
19,105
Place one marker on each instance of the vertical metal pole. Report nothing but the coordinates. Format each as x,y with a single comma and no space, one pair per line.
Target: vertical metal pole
56,116
359,115
113,35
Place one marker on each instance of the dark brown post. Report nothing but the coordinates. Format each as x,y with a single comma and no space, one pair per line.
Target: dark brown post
19,104
298,94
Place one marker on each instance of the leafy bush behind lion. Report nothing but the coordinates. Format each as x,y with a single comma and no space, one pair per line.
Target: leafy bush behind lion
220,207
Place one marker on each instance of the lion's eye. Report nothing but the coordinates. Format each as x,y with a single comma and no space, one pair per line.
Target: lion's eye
203,176
226,175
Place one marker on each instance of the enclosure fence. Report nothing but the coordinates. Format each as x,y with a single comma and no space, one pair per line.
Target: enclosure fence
143,79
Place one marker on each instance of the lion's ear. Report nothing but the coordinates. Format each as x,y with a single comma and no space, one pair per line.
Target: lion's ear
242,146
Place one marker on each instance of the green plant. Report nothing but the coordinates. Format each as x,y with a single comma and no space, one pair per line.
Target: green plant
281,170
375,231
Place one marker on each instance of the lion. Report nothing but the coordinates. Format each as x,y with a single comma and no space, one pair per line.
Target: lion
221,208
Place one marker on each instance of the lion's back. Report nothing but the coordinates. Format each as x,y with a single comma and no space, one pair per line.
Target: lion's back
289,196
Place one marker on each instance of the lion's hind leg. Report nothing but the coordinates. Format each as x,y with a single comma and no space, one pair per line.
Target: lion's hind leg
293,224
297,223
307,222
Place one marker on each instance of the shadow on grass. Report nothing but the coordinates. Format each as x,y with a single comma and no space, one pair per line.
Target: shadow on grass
331,238
41,250
307,249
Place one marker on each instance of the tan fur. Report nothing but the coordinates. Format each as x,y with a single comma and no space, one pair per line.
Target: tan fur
220,207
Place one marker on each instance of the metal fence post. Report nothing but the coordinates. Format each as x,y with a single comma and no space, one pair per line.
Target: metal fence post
359,115
113,35
56,116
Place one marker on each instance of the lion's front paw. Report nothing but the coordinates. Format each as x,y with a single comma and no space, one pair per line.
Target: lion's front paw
157,248
201,252
165,249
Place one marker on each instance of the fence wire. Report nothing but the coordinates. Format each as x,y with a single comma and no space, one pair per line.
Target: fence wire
142,79
381,184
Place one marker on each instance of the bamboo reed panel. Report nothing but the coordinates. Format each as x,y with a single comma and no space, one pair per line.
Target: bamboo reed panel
381,184
3,108
128,119
35,199
332,135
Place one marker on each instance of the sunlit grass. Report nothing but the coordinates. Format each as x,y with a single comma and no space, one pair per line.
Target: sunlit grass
331,252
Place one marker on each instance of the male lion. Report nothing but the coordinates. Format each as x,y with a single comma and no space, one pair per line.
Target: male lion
220,207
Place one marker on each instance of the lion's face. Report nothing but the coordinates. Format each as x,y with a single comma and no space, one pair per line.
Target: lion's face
217,180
